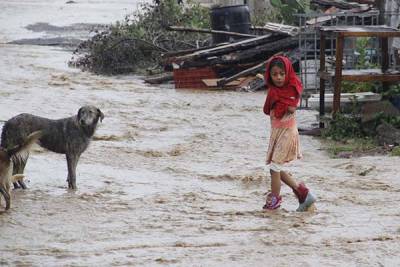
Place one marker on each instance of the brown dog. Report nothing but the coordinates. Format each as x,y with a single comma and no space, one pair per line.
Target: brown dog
6,166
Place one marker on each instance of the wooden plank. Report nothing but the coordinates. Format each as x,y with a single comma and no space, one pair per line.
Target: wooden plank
369,2
210,82
373,28
157,79
171,54
372,78
214,82
279,28
187,29
338,3
362,31
372,34
248,71
318,20
253,54
245,44
364,75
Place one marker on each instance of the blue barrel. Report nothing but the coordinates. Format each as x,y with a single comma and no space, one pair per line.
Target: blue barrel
229,18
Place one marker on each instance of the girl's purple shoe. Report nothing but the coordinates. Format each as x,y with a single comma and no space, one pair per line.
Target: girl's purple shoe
273,202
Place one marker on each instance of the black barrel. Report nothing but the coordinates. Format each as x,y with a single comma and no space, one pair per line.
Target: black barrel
229,18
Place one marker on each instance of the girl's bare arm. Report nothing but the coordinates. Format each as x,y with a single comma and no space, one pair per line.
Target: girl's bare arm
291,109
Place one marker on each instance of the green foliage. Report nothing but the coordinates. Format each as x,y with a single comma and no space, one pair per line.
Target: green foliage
392,120
260,18
352,146
396,151
137,42
346,134
364,61
343,126
357,87
287,8
394,90
348,126
380,117
363,45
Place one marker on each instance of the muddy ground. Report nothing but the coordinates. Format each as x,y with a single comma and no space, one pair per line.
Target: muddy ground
174,177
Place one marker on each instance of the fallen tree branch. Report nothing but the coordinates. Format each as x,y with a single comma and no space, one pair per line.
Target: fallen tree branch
136,40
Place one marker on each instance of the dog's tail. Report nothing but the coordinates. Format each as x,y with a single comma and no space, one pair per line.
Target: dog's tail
25,146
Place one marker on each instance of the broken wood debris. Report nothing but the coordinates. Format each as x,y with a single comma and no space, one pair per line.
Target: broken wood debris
186,29
256,69
252,55
237,46
161,78
340,4
231,65
278,28
232,61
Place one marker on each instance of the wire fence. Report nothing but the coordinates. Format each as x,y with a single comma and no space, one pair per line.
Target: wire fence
309,47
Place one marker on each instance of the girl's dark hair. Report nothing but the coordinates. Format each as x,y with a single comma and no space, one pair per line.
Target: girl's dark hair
277,62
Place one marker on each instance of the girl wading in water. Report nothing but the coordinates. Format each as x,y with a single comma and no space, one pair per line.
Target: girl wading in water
284,90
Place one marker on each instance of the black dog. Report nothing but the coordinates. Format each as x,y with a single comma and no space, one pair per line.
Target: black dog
70,136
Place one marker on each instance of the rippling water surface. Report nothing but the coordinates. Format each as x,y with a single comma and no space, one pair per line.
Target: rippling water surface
174,177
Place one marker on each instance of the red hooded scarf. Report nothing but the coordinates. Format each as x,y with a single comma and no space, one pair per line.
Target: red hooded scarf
280,98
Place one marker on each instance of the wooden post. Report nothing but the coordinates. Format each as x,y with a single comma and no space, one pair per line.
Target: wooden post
338,72
385,59
321,80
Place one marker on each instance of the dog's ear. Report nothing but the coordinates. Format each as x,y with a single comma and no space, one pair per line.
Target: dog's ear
100,115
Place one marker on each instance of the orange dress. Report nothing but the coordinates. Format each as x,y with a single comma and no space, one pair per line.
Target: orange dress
284,145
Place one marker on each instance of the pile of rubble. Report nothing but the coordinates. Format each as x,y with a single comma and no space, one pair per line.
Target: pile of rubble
240,65
230,65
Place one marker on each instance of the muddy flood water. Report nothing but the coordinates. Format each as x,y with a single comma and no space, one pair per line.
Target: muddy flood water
173,177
